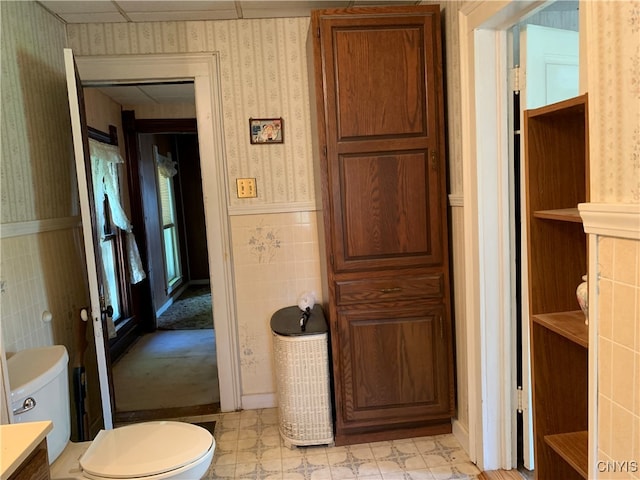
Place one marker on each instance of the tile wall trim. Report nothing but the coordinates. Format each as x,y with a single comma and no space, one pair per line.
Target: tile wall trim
620,220
19,229
272,208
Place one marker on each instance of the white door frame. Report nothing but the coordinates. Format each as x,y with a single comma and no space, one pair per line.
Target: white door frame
485,153
203,69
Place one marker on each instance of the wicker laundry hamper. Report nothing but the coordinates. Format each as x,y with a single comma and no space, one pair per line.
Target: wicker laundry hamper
302,377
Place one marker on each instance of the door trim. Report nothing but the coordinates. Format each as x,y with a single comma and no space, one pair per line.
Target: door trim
485,147
203,69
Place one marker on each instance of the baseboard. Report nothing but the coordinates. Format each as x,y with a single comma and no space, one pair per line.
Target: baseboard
164,307
174,295
461,433
261,400
204,281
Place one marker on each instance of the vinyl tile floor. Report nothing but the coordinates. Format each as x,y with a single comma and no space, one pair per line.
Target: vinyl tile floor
249,446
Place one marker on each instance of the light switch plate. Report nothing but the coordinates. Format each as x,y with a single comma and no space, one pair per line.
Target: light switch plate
246,187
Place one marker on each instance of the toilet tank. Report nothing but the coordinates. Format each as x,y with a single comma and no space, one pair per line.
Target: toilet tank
40,374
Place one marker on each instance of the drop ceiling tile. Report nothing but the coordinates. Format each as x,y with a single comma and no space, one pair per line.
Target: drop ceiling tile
182,16
176,93
180,6
153,10
80,7
127,95
105,17
277,9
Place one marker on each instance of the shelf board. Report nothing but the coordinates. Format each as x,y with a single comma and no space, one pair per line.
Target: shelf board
573,448
568,324
571,106
562,214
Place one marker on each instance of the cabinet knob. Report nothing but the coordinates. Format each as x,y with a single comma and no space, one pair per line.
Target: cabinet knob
434,160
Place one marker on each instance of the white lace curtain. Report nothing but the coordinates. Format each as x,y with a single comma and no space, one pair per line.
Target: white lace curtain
104,170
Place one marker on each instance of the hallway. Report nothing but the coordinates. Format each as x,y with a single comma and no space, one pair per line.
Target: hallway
167,369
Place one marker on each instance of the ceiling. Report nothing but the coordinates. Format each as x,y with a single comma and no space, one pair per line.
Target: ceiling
110,11
101,11
104,11
151,94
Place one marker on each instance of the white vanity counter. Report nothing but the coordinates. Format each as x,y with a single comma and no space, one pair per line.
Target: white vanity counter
17,442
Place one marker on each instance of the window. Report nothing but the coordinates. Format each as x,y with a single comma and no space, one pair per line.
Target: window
166,193
109,257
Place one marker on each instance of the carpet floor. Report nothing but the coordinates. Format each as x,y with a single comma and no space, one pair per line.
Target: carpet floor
192,310
167,369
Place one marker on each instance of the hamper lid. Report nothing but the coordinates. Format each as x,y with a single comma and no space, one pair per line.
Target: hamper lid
286,322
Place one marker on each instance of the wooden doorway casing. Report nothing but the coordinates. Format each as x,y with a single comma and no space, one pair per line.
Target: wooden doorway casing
203,70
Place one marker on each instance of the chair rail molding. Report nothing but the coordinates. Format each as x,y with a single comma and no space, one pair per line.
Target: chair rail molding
20,229
620,220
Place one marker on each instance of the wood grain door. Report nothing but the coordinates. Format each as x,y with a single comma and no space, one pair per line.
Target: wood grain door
379,105
394,364
383,138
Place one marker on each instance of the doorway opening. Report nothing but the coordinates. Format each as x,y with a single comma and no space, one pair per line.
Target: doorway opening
544,61
202,70
170,366
487,147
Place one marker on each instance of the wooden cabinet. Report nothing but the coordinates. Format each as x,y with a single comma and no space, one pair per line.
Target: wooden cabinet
379,102
556,150
36,465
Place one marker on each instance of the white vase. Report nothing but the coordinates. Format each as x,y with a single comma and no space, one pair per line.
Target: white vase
582,294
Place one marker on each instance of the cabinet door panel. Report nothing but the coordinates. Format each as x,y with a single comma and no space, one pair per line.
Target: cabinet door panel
382,77
384,141
394,363
394,78
389,213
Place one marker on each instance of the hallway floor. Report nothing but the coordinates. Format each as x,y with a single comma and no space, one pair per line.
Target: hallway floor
248,446
167,369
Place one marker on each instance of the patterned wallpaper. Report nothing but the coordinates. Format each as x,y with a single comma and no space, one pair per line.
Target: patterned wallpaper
614,137
614,100
38,181
451,60
263,67
42,269
36,145
263,74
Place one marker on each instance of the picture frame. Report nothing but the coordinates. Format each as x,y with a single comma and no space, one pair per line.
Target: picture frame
264,131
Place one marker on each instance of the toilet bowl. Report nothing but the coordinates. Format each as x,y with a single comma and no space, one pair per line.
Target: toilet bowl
149,450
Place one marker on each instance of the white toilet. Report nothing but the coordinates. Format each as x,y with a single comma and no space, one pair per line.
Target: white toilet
150,451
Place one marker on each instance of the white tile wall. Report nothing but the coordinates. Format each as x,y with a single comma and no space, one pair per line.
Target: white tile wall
276,257
619,358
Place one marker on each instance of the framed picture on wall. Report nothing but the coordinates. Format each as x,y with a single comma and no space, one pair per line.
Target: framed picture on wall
266,130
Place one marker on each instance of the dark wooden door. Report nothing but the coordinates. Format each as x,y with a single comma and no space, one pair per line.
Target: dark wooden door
379,107
383,141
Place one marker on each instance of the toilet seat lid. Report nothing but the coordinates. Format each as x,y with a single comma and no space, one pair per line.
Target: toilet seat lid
145,449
